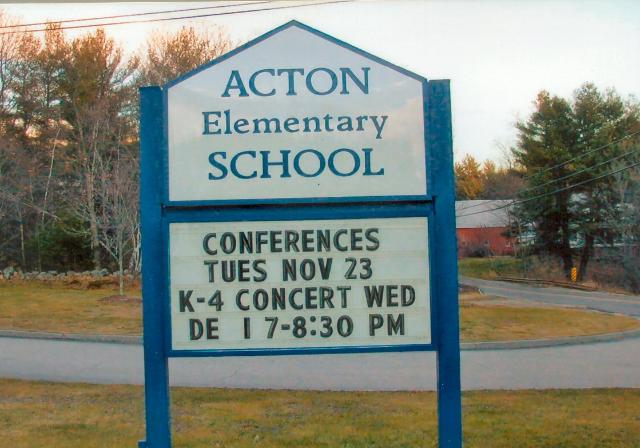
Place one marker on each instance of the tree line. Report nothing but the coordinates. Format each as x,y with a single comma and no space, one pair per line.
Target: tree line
487,180
69,142
69,155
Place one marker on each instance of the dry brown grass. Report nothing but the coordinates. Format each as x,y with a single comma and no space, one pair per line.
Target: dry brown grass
60,308
490,267
486,318
36,415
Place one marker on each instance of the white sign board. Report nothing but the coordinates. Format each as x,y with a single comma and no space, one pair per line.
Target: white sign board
282,284
296,115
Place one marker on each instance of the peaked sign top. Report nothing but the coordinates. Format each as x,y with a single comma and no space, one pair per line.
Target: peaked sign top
296,115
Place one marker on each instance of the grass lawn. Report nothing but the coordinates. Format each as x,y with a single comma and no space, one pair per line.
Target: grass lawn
45,307
490,267
62,309
36,414
483,318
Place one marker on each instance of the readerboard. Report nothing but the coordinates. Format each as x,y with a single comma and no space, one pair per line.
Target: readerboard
297,197
286,284
295,116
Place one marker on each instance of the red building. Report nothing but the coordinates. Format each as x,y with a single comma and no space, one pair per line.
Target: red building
481,226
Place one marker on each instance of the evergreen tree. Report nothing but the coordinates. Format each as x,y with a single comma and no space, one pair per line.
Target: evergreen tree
559,131
469,178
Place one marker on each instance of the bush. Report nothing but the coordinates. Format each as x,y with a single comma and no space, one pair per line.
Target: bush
62,246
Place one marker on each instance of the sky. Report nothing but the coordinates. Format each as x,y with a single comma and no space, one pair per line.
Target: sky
497,54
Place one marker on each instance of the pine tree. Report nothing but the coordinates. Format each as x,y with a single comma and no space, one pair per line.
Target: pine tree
559,131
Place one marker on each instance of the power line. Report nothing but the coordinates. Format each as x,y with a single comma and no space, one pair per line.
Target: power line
475,205
120,16
165,19
584,170
514,202
552,181
559,190
579,156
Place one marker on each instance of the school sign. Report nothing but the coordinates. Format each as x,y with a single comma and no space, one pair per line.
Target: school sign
297,198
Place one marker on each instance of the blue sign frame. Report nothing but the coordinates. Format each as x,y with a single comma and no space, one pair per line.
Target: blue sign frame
438,206
349,199
293,213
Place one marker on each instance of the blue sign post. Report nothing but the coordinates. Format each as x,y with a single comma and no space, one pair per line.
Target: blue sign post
439,140
300,161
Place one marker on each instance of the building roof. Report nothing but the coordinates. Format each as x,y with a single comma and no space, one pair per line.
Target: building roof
481,214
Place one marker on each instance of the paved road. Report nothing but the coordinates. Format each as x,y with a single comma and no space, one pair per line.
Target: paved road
611,364
601,301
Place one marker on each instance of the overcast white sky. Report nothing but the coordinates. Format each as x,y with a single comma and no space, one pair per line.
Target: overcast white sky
498,54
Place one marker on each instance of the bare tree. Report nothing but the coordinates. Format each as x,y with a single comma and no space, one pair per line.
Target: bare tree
68,140
97,88
170,55
117,193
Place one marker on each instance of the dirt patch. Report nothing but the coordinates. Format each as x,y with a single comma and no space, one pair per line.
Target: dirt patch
120,299
462,289
75,281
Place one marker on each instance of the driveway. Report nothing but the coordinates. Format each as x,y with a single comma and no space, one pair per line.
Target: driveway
601,301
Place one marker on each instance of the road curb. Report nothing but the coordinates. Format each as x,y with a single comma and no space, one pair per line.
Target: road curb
539,343
103,338
466,346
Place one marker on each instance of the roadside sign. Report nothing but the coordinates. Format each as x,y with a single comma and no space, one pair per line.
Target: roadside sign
297,197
